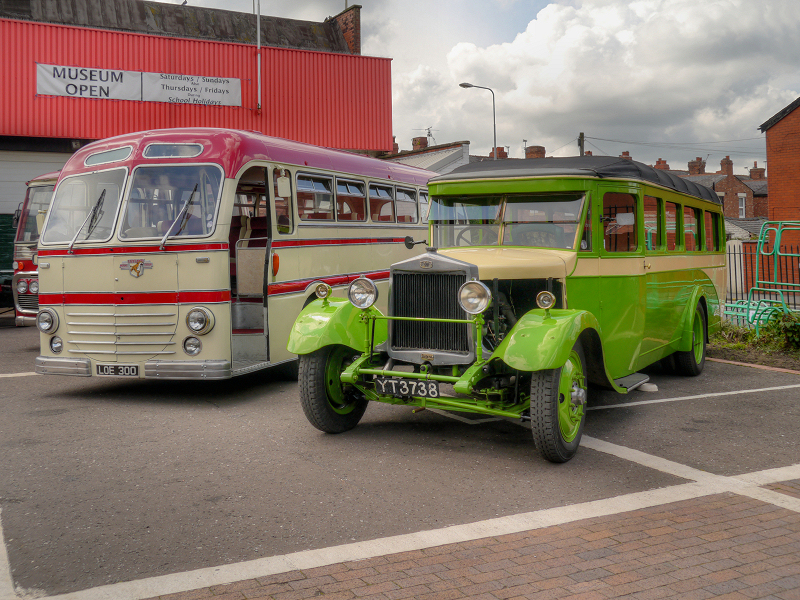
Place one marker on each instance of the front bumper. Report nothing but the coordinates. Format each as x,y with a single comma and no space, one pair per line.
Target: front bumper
25,320
188,369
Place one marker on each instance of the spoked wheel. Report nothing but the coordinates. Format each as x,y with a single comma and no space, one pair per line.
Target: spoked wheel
329,405
691,362
558,408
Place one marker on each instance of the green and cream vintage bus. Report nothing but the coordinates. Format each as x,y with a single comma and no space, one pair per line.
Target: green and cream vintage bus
541,277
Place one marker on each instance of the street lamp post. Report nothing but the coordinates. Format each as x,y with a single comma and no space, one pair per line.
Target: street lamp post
494,119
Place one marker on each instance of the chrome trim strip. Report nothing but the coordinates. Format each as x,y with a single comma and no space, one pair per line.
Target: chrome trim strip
113,352
120,315
119,333
47,365
124,324
122,343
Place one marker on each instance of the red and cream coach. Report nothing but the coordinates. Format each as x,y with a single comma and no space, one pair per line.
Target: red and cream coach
188,253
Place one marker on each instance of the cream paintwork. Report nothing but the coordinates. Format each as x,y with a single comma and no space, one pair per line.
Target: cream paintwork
516,263
592,266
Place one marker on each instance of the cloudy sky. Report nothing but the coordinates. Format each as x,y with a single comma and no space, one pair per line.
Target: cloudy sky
672,79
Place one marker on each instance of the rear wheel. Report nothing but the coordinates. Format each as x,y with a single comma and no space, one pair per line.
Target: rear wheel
329,405
558,408
691,362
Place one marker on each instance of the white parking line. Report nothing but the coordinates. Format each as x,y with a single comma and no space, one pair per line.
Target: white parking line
18,374
697,397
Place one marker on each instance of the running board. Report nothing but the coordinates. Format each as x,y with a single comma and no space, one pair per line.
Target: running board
631,382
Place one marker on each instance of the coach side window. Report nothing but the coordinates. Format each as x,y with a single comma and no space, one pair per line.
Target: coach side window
423,207
283,201
314,198
690,232
619,222
351,203
381,203
406,206
653,232
671,212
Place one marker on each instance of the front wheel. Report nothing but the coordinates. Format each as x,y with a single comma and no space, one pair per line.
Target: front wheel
691,362
329,405
558,408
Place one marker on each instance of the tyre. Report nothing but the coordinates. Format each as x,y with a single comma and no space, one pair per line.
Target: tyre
691,362
328,405
558,408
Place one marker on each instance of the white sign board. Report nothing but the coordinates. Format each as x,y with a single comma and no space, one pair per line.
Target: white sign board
111,84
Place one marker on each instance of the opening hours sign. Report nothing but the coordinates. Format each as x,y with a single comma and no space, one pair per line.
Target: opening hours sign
113,84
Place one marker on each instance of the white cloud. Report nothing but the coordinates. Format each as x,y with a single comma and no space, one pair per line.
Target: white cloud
650,70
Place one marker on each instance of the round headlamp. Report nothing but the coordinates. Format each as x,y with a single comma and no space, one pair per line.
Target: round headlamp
47,320
33,288
362,293
192,346
56,344
323,290
474,297
200,320
545,300
22,286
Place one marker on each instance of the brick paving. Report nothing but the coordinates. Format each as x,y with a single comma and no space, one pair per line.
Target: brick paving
722,546
790,488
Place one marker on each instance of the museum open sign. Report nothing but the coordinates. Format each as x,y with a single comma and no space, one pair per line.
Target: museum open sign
113,84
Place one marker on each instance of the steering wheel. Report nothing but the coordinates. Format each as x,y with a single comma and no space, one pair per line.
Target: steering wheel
490,234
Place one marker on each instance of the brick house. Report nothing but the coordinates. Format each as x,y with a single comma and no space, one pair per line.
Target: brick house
741,197
783,155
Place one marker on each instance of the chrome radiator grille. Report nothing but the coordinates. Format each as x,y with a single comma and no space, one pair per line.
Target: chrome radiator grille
429,296
116,334
28,301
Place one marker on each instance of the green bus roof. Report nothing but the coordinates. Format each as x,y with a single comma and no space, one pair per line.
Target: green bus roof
601,167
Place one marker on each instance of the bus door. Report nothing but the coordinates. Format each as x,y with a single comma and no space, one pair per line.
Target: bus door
250,244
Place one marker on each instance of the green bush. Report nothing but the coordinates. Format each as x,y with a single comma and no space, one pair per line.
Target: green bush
785,330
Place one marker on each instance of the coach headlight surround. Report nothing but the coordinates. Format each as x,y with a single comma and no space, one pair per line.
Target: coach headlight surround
200,320
47,320
474,297
362,293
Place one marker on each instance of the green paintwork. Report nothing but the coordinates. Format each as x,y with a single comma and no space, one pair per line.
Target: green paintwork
337,399
331,322
543,339
570,414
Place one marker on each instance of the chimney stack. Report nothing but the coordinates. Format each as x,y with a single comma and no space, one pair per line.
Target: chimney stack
395,146
626,155
501,153
419,143
534,152
697,166
757,173
726,166
662,165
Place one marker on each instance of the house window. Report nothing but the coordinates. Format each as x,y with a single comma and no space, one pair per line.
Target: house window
742,205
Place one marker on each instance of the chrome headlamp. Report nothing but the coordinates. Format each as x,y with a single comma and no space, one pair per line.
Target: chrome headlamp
22,286
362,293
192,346
47,320
474,297
200,320
33,288
323,290
545,300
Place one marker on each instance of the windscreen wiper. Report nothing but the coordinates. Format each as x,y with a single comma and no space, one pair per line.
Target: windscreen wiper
180,218
91,215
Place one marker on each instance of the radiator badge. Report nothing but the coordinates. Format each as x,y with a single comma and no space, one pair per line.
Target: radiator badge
426,357
426,264
136,266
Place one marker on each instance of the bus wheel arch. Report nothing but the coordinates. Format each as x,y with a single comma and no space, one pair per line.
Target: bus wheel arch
593,358
329,405
690,362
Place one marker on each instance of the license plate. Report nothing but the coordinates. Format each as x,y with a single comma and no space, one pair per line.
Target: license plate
118,370
406,388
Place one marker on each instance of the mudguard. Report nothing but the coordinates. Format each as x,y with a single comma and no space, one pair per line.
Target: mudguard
330,322
686,321
542,340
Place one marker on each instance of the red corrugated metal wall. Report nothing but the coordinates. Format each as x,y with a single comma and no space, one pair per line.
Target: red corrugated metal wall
334,100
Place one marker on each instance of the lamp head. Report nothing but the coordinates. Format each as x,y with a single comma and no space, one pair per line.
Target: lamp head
465,85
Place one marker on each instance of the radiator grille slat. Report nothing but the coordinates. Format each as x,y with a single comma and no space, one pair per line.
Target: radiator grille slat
429,296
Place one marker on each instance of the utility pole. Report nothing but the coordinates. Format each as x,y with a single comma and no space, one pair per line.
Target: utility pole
581,140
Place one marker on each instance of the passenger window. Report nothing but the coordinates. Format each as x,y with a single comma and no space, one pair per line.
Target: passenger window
381,203
671,213
690,231
351,202
619,222
718,243
406,206
283,201
653,233
423,206
708,223
314,198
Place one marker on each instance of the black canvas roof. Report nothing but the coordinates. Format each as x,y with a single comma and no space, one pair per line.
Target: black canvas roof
578,166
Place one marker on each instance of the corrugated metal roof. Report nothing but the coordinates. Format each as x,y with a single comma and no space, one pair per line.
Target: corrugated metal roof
180,21
327,99
441,161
